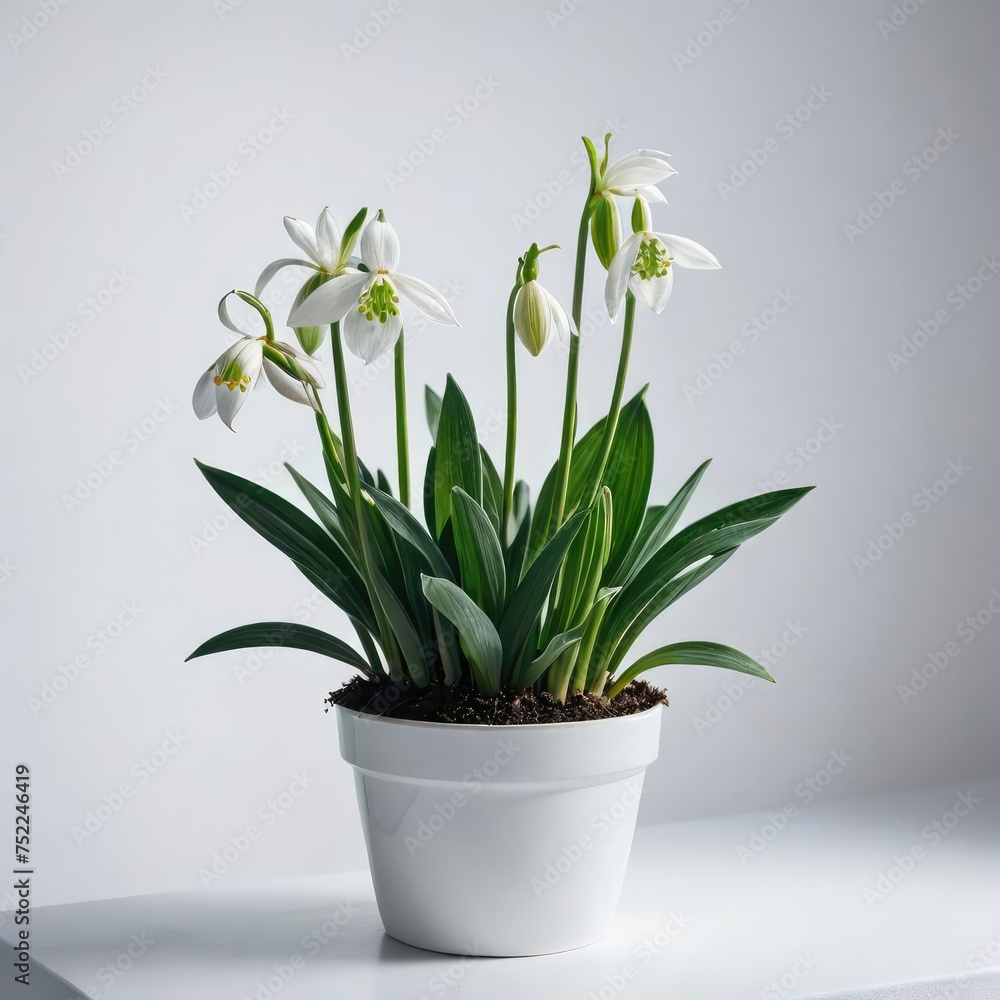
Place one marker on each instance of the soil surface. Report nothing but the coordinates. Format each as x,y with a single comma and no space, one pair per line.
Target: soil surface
461,703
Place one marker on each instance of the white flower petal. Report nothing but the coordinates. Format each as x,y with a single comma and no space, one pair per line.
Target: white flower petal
227,320
654,292
635,170
380,246
304,237
652,193
686,252
427,299
532,317
560,320
618,273
249,356
332,300
370,339
328,238
306,361
204,395
290,388
273,268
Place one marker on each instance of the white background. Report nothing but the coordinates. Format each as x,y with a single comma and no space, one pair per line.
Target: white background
709,94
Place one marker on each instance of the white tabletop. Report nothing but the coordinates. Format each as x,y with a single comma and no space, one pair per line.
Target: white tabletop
700,918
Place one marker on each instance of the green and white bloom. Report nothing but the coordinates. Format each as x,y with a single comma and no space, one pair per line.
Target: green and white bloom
323,245
644,265
537,312
327,252
635,175
370,298
225,385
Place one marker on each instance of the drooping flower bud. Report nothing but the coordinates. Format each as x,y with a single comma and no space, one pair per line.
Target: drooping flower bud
536,311
642,218
310,338
606,229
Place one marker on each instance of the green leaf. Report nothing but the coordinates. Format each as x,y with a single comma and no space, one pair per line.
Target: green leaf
480,558
479,637
708,654
585,452
283,634
382,481
428,497
558,645
628,475
351,232
492,491
522,501
656,527
415,652
432,406
528,598
679,554
458,460
408,527
514,562
326,511
298,536
615,641
724,529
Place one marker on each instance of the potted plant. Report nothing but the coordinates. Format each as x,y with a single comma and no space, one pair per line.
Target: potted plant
498,730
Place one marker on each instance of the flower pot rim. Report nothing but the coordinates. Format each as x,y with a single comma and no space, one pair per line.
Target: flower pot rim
487,727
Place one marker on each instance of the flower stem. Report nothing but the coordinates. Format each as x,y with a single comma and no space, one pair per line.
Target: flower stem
354,488
508,467
572,377
611,424
402,441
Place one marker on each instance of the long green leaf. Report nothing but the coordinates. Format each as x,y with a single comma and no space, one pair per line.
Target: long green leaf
492,491
408,527
480,558
479,637
655,529
287,634
628,475
298,536
616,640
458,460
721,530
432,408
708,654
415,652
514,561
558,645
678,555
428,497
325,510
584,453
530,595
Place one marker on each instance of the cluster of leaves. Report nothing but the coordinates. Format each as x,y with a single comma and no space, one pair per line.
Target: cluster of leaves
546,601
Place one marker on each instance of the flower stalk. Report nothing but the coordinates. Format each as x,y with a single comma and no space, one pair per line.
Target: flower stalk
402,436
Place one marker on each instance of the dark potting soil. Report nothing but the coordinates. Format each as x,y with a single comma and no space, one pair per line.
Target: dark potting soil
461,703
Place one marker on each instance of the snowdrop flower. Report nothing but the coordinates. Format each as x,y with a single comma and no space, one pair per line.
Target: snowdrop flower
327,252
645,264
225,385
635,175
370,298
537,312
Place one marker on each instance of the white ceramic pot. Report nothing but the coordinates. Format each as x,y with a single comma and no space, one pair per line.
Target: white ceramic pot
498,840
